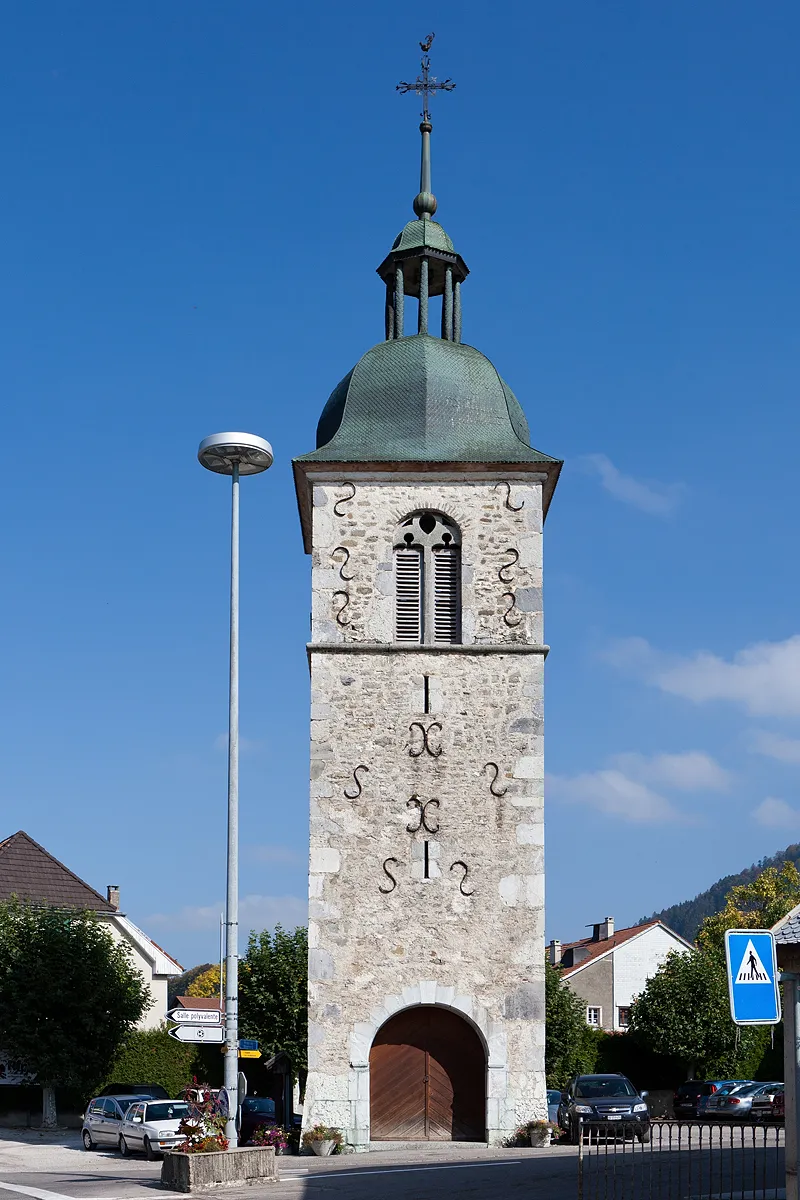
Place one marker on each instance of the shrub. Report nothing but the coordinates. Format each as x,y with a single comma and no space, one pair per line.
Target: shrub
152,1056
323,1133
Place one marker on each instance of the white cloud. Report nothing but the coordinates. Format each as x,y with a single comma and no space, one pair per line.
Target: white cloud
776,814
658,499
612,792
276,854
255,912
764,678
773,745
693,771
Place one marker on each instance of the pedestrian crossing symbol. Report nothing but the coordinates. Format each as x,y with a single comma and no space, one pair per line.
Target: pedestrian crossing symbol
752,977
751,968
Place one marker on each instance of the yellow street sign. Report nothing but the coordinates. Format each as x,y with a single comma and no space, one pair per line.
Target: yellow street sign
249,1054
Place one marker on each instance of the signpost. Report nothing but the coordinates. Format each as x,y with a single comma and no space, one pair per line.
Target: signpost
248,1043
752,977
195,1016
249,1054
209,1034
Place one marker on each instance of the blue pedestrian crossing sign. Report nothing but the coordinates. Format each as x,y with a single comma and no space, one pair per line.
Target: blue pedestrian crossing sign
752,977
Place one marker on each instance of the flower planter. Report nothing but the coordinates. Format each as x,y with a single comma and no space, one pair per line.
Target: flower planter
195,1172
540,1137
323,1148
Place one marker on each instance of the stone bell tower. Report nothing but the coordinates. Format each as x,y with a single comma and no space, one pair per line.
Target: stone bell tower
422,508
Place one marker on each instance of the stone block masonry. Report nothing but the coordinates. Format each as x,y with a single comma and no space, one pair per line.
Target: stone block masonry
426,874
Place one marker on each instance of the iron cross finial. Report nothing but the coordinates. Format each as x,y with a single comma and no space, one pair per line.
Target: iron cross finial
426,85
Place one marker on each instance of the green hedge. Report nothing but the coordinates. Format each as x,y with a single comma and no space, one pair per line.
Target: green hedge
152,1056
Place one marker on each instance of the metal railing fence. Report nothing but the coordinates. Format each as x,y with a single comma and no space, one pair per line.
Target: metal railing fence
683,1160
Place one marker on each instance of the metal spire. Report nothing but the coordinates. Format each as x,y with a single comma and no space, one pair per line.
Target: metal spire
425,85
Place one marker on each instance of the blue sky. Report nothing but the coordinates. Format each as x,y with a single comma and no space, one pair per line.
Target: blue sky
197,197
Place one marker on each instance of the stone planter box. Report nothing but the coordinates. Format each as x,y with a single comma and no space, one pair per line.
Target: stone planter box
194,1172
540,1137
323,1148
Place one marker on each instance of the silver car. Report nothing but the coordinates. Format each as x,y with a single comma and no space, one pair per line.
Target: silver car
102,1120
151,1127
734,1103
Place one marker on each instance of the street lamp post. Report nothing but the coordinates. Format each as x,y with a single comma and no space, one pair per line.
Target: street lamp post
233,454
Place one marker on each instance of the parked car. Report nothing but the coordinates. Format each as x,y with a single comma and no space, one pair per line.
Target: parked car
734,1102
154,1090
761,1108
710,1088
553,1101
256,1110
686,1097
103,1119
779,1106
599,1100
151,1127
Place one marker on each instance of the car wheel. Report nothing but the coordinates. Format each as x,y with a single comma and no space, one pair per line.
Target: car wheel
123,1147
574,1135
644,1136
88,1141
150,1153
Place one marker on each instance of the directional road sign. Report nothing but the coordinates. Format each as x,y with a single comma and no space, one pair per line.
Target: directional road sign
198,1033
195,1016
753,977
249,1054
248,1043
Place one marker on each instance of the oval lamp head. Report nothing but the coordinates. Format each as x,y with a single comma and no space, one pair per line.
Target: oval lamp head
220,451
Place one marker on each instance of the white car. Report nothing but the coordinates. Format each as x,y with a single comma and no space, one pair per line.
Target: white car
151,1127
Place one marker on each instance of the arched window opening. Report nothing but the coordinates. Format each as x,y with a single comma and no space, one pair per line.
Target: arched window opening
427,572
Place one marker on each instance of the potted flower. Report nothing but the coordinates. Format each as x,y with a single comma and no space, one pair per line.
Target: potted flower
322,1139
539,1132
270,1135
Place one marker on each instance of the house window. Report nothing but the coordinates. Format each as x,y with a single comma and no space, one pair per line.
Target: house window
623,1017
427,574
594,1017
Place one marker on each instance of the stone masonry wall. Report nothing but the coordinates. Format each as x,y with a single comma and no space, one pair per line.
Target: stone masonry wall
382,936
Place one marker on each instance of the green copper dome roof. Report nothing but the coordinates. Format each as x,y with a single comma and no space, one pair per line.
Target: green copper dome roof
423,399
428,234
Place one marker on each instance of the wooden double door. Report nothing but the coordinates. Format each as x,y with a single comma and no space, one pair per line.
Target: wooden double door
427,1079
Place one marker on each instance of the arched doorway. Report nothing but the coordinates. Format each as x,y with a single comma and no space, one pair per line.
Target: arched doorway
427,1072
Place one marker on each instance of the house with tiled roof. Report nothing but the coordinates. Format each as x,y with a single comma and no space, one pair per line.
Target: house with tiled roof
609,969
32,874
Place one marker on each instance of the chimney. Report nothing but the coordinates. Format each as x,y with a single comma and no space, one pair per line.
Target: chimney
112,894
555,952
607,929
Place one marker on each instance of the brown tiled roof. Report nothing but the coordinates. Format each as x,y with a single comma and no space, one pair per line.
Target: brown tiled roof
210,1002
30,873
604,945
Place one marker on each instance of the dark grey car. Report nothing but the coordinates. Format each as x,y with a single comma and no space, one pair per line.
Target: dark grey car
605,1103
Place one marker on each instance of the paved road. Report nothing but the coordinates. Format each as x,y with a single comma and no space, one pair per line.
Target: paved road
32,1169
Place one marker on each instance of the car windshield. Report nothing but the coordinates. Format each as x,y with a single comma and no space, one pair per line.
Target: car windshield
265,1106
553,1097
597,1089
168,1110
690,1089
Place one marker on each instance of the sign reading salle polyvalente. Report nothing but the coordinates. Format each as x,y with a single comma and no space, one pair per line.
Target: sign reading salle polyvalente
195,1016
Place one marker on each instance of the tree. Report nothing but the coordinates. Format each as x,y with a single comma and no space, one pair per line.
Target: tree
273,994
756,905
570,1045
683,1011
152,1056
69,994
206,984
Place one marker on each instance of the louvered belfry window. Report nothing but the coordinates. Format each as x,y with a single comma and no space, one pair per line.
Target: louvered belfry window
427,576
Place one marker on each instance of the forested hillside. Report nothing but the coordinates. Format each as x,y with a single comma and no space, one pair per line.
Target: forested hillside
685,918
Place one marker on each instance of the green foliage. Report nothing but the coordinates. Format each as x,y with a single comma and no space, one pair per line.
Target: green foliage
755,905
570,1045
621,1053
687,917
273,994
69,993
323,1133
683,1011
152,1056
